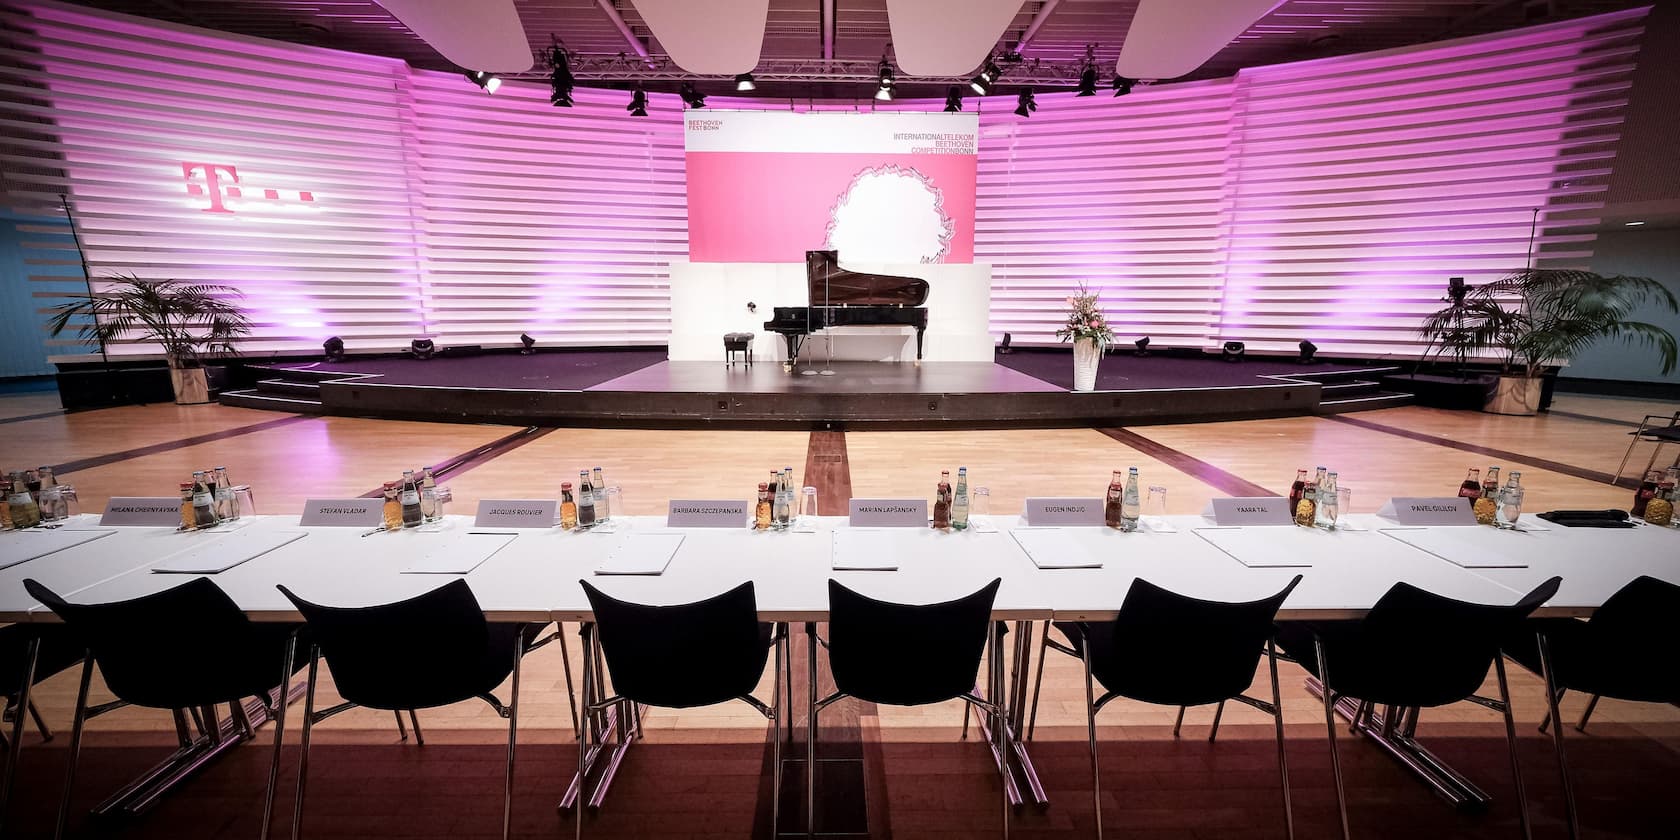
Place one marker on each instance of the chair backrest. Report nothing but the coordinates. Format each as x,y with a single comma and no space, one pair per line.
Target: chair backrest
429,650
185,646
906,654
684,655
1644,612
1175,650
1432,648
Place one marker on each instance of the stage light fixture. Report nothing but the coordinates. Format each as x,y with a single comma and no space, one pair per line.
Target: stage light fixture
1232,351
690,96
422,348
980,85
1123,85
1087,81
744,82
982,82
560,78
1005,348
884,73
530,344
488,81
1024,104
1142,346
1307,350
638,103
953,100
334,348
1456,290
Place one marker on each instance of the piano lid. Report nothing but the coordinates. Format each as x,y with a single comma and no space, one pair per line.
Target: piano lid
830,285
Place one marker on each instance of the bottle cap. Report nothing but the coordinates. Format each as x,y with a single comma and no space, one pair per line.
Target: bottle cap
764,485
565,485
390,485
186,485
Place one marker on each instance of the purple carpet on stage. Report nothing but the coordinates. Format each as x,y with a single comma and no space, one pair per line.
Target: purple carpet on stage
1125,372
563,370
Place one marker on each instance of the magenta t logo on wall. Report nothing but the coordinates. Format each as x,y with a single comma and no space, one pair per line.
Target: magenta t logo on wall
221,182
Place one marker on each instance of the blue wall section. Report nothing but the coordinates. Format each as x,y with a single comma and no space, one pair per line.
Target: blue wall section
33,246
1642,252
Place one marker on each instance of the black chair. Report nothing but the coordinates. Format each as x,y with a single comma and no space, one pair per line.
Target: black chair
1414,649
907,655
680,657
1628,650
428,651
28,655
1174,650
187,647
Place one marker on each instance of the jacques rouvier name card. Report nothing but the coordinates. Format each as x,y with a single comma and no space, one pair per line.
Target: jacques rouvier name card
889,513
516,513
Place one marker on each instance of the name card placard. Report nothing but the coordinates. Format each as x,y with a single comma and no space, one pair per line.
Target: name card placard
1443,510
142,511
889,513
707,513
1250,510
342,513
1064,511
516,513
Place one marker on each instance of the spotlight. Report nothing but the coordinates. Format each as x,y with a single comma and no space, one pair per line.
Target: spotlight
1307,350
529,342
1024,104
953,100
638,103
885,73
1123,85
1005,347
1142,345
982,83
1087,81
560,80
334,348
422,348
744,82
488,81
980,86
690,97
1456,290
1232,351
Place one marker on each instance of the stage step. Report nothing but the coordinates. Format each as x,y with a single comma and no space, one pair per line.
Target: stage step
286,388
1364,402
251,398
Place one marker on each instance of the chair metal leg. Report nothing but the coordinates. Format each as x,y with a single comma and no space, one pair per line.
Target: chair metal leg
1091,734
566,666
1552,697
79,723
811,735
47,733
966,713
1218,713
279,731
308,727
1179,722
513,734
584,732
32,654
1038,681
777,712
1511,743
1283,757
414,720
1629,453
1586,714
1557,697
1330,727
1000,732
402,728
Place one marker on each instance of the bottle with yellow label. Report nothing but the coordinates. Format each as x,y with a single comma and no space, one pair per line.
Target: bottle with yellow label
392,512
568,507
1660,509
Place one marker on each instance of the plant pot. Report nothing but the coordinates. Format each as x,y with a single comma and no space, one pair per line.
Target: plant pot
192,385
1087,354
1517,395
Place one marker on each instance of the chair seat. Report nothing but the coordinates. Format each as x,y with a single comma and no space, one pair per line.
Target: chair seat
1123,681
493,668
1579,665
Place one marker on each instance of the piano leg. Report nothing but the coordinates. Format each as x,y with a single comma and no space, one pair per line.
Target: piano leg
919,333
793,342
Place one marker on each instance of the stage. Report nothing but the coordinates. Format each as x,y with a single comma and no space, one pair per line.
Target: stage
641,388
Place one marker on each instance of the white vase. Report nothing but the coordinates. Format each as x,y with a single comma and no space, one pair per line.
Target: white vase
1086,355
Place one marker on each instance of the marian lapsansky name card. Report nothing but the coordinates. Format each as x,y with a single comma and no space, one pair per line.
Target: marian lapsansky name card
889,513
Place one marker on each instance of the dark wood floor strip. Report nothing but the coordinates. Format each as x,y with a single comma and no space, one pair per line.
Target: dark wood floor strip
462,463
22,417
1501,454
1593,417
1228,483
167,446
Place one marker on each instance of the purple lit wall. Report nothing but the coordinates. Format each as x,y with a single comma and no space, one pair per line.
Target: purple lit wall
1327,199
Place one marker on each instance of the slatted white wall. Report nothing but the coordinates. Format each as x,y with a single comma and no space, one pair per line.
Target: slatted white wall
1327,199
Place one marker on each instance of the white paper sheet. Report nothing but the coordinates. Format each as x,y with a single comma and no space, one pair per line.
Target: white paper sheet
458,553
641,554
865,549
1469,548
1262,547
1055,548
220,553
23,546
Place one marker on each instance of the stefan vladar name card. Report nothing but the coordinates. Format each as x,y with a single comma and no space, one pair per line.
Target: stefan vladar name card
889,513
342,513
516,513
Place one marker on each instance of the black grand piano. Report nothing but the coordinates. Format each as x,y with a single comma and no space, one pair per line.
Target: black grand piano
843,298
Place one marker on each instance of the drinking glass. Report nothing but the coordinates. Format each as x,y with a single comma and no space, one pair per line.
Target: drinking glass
244,501
616,519
806,521
1155,508
1332,507
1344,498
980,510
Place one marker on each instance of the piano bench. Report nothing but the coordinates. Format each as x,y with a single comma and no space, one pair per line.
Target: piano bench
737,342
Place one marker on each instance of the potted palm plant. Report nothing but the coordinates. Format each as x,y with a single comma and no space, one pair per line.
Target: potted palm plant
1538,317
1088,328
191,321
